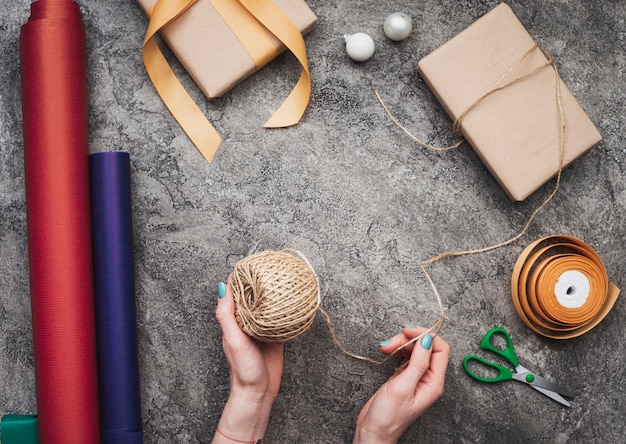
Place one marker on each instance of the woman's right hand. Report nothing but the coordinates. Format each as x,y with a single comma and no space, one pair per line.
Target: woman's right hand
409,392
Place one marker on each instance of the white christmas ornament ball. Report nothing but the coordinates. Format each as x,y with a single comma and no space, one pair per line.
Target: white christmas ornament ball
398,26
359,46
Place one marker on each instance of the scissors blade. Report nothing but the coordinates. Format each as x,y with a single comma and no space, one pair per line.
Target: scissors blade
543,383
538,381
551,394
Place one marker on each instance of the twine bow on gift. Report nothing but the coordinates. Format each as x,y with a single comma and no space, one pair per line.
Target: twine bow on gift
248,19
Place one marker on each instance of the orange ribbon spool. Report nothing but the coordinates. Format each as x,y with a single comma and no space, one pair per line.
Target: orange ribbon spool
560,287
244,17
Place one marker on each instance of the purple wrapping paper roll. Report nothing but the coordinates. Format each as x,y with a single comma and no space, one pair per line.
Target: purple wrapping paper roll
114,284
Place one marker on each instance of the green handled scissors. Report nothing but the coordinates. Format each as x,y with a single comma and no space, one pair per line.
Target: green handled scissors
521,373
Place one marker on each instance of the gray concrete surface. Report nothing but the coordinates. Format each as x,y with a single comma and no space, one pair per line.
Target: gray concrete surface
362,201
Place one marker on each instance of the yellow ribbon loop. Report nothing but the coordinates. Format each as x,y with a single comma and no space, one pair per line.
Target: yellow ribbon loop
249,28
172,92
275,20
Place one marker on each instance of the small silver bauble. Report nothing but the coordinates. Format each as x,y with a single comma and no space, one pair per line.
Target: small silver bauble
359,46
398,26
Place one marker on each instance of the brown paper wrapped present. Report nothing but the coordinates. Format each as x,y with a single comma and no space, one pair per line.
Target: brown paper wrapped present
211,52
515,129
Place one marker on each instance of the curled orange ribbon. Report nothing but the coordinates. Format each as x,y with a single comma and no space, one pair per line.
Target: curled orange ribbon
547,273
177,99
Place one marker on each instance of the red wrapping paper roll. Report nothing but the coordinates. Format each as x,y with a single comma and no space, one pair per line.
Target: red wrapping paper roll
54,110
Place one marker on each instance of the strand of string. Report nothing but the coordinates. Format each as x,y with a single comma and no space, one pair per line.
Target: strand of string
331,328
365,358
438,324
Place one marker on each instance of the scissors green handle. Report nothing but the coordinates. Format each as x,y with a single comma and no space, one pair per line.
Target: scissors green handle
520,373
508,353
504,374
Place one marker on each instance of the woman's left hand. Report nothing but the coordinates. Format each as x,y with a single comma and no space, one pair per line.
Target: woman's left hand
255,373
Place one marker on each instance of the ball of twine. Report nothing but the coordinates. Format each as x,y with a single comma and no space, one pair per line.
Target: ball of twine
276,294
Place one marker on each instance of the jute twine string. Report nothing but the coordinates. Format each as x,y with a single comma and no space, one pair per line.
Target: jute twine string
277,295
438,324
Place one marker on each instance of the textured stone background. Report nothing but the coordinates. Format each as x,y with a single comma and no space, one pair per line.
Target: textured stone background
362,201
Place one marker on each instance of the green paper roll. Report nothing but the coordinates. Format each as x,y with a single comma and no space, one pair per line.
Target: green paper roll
18,429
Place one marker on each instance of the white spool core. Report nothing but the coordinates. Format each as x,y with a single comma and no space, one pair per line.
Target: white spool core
572,289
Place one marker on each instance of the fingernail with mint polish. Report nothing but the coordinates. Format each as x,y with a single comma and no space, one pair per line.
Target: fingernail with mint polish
221,290
385,342
427,341
408,326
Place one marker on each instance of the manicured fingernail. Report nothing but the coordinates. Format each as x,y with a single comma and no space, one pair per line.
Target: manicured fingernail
427,341
408,326
385,342
221,290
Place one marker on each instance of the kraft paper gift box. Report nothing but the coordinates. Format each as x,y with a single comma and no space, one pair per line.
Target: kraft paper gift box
516,131
211,53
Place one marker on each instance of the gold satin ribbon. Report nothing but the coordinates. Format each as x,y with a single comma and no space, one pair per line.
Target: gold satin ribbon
535,274
275,20
265,14
172,92
250,33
